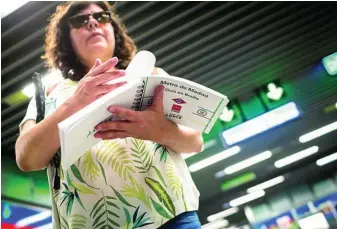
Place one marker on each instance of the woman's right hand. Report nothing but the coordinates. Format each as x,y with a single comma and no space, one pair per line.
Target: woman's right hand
93,84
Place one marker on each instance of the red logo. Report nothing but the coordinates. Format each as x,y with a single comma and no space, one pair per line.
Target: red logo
176,108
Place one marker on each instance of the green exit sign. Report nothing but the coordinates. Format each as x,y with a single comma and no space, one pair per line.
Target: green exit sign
330,64
273,94
231,115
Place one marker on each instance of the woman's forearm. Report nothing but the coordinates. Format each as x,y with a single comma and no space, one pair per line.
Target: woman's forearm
38,143
182,139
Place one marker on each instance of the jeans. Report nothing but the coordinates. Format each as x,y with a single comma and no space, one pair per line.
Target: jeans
186,220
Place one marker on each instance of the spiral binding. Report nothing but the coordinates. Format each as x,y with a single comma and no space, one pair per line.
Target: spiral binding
137,102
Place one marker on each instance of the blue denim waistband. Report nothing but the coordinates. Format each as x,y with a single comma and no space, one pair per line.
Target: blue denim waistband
188,220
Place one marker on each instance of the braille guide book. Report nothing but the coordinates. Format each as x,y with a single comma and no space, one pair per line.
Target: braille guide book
185,103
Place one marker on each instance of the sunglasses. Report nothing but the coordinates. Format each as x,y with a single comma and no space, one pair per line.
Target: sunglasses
79,21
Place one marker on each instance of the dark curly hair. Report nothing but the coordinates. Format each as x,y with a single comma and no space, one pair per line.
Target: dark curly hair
59,52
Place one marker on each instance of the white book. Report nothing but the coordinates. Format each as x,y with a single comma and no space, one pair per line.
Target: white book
185,103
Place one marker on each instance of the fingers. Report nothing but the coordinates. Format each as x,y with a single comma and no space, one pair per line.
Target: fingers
114,125
98,62
106,88
124,113
112,134
108,76
158,99
103,67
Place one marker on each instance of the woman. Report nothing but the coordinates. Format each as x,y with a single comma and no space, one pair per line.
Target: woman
132,179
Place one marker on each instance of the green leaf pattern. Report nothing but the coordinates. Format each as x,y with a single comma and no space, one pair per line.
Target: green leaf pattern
173,180
122,183
141,156
103,213
162,195
164,151
119,160
89,167
78,221
135,190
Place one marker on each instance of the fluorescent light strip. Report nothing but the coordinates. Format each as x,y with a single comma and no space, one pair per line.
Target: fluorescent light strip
222,214
46,226
215,158
267,184
248,162
246,198
327,159
261,123
215,225
33,219
318,133
296,157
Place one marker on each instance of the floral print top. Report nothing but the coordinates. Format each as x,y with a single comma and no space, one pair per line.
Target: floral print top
122,183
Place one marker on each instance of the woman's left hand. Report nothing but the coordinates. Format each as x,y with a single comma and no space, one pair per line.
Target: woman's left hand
149,124
152,125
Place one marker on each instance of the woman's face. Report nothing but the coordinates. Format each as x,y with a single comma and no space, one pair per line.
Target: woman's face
94,40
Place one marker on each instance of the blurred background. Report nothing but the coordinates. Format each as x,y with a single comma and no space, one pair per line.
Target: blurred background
270,161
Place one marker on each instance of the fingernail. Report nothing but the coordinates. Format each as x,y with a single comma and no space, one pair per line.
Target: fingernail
96,135
122,72
112,109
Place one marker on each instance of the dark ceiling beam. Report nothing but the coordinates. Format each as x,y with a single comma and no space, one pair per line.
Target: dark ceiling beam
20,106
140,9
15,118
236,60
300,61
22,61
203,30
154,16
39,14
187,25
232,38
25,41
222,78
9,132
151,31
22,76
8,141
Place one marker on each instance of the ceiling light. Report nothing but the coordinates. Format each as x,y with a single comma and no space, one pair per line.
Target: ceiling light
267,184
248,162
319,132
11,6
222,214
327,159
215,225
261,123
246,198
330,64
296,156
33,219
215,158
236,181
